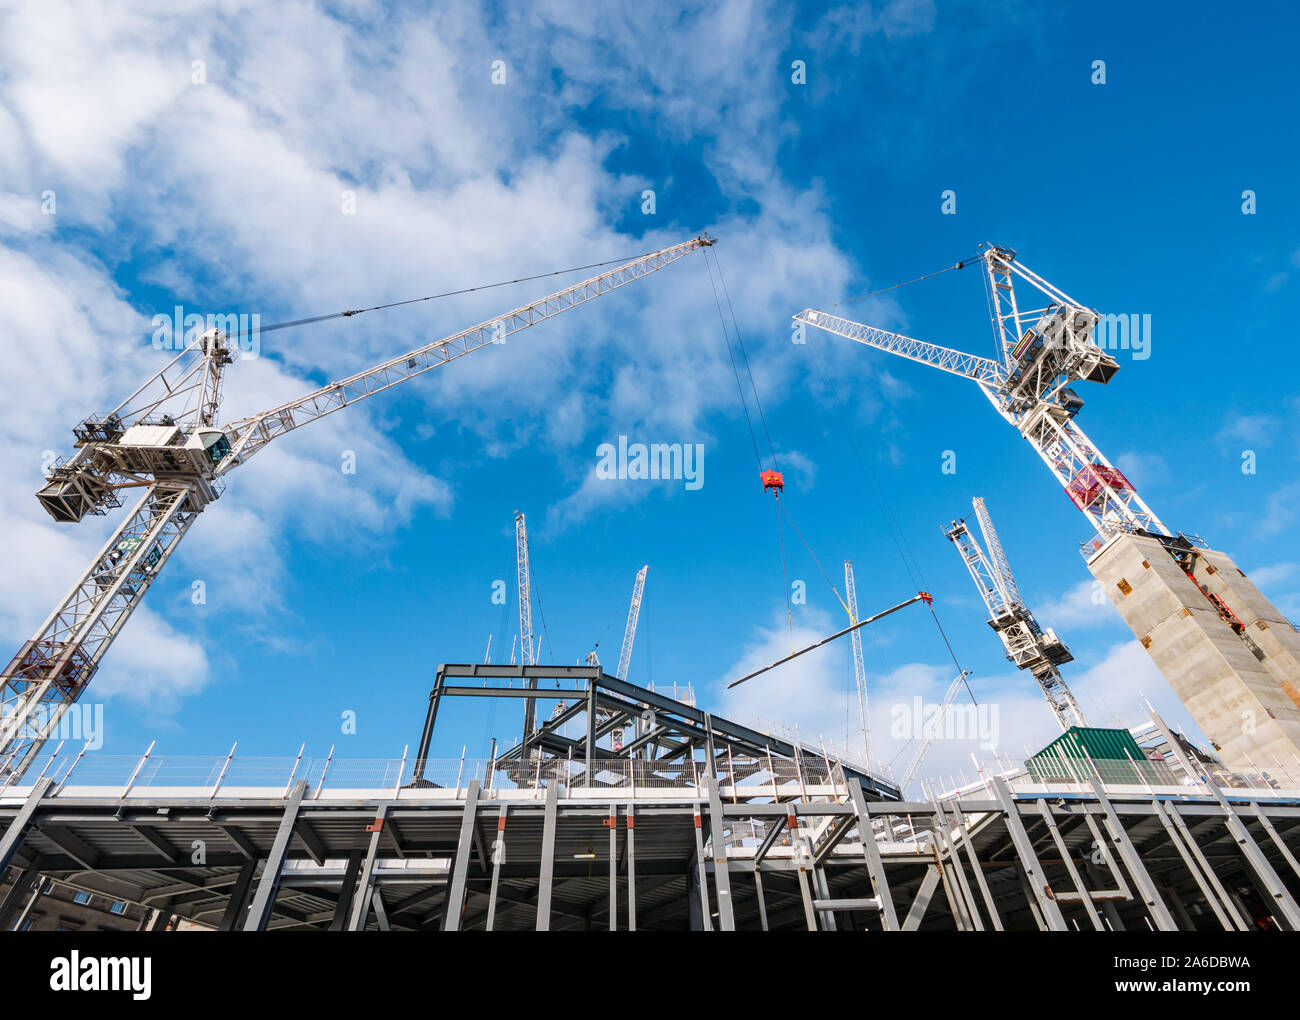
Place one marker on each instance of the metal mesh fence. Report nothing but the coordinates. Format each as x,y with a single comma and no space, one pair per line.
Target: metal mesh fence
739,776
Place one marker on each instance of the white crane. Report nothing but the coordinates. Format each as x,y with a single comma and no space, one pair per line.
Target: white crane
526,656
164,440
859,668
932,727
1041,352
1027,644
633,612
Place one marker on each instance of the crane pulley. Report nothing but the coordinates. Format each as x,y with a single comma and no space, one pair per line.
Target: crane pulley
164,440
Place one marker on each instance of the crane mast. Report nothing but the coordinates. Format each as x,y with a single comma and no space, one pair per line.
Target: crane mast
629,632
618,733
931,728
162,440
859,668
525,592
1027,645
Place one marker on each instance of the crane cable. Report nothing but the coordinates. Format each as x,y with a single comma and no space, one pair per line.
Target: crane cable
749,421
431,297
959,264
735,326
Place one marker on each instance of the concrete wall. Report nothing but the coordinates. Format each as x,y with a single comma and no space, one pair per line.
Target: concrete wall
1241,702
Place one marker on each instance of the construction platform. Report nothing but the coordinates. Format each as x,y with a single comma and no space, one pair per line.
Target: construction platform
663,835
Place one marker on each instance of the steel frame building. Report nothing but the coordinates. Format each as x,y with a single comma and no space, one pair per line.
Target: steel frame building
727,836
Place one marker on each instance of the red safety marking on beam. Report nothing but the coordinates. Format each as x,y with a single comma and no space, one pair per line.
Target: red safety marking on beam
611,822
629,822
792,821
377,826
699,822
501,824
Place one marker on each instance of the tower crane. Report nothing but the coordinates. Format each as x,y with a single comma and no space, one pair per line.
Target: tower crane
1028,645
633,612
525,591
1221,644
859,668
1041,352
629,635
164,440
930,728
526,656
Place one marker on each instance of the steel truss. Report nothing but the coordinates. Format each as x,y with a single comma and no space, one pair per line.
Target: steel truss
672,743
52,669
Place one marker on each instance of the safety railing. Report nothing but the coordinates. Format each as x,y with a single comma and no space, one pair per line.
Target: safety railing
740,777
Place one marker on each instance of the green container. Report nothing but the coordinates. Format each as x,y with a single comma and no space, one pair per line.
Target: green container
1099,744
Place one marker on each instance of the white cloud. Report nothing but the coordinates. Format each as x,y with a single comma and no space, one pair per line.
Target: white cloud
1084,605
1275,574
1250,429
228,193
1143,469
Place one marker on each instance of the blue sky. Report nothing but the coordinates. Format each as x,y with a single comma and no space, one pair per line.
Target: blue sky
329,593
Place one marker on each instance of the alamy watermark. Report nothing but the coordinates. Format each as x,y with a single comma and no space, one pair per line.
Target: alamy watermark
1122,332
651,461
82,723
921,720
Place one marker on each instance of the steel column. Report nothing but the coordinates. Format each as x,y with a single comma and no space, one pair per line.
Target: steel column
17,831
631,868
347,891
259,914
1191,865
922,902
721,875
365,884
498,858
455,902
1037,881
233,917
871,854
1239,922
1133,861
546,877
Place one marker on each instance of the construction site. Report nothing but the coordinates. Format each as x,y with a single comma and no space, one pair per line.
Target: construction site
626,806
